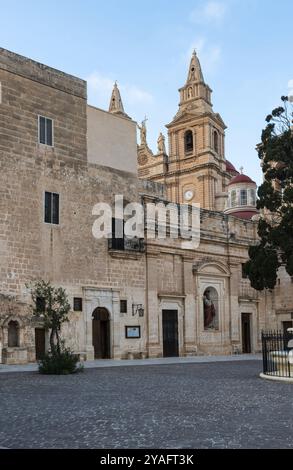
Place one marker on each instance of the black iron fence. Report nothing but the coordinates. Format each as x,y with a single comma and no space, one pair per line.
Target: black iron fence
277,358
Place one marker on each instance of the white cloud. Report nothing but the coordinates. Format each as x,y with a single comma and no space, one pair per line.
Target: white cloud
135,95
100,88
209,54
209,12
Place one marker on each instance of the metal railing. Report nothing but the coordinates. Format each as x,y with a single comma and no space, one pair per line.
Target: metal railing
276,347
126,244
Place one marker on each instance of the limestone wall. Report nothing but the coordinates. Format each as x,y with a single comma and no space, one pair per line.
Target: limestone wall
166,276
111,140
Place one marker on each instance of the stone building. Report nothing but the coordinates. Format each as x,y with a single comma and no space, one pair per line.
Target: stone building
59,157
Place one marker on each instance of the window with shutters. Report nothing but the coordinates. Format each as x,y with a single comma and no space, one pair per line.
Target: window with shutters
45,131
51,213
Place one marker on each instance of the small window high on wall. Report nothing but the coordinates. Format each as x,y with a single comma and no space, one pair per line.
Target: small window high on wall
188,141
51,215
45,131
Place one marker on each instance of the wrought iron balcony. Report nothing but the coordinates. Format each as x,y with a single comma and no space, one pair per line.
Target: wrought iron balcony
126,244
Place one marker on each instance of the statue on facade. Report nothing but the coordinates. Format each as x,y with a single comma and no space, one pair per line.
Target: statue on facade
209,310
143,132
161,144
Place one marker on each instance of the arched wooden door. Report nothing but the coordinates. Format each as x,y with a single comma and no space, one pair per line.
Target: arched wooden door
101,333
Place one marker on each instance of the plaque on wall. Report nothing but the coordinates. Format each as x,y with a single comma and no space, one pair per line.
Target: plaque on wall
132,332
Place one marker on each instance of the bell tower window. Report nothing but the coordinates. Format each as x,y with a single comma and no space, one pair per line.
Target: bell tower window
188,142
216,142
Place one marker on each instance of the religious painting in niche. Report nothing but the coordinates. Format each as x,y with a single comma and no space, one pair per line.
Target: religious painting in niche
210,308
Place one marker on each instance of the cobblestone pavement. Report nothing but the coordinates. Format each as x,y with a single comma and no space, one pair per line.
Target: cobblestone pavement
141,362
190,405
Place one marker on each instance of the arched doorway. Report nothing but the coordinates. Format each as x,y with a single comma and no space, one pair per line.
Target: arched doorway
101,333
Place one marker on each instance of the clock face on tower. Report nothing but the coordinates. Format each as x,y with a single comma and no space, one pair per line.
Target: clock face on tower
188,195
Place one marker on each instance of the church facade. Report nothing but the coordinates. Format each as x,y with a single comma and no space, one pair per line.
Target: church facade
147,297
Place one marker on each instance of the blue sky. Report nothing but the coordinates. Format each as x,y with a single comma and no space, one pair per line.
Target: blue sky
245,48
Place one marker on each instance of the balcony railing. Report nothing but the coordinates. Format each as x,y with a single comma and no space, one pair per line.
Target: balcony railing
126,244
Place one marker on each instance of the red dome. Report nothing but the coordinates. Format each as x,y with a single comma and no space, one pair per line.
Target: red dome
247,215
230,167
240,178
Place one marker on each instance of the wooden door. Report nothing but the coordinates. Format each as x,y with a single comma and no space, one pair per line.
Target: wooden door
40,342
246,333
170,333
101,333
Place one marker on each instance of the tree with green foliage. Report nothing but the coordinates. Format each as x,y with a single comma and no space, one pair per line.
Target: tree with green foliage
51,304
275,201
52,307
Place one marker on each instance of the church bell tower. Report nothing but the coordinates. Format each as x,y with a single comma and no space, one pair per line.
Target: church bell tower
194,171
196,146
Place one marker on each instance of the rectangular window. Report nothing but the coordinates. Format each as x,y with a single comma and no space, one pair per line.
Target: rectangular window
51,208
233,198
77,304
40,304
244,275
118,234
243,197
123,306
45,131
252,197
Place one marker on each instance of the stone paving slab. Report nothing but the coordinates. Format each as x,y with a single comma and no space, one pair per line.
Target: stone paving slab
222,404
140,362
